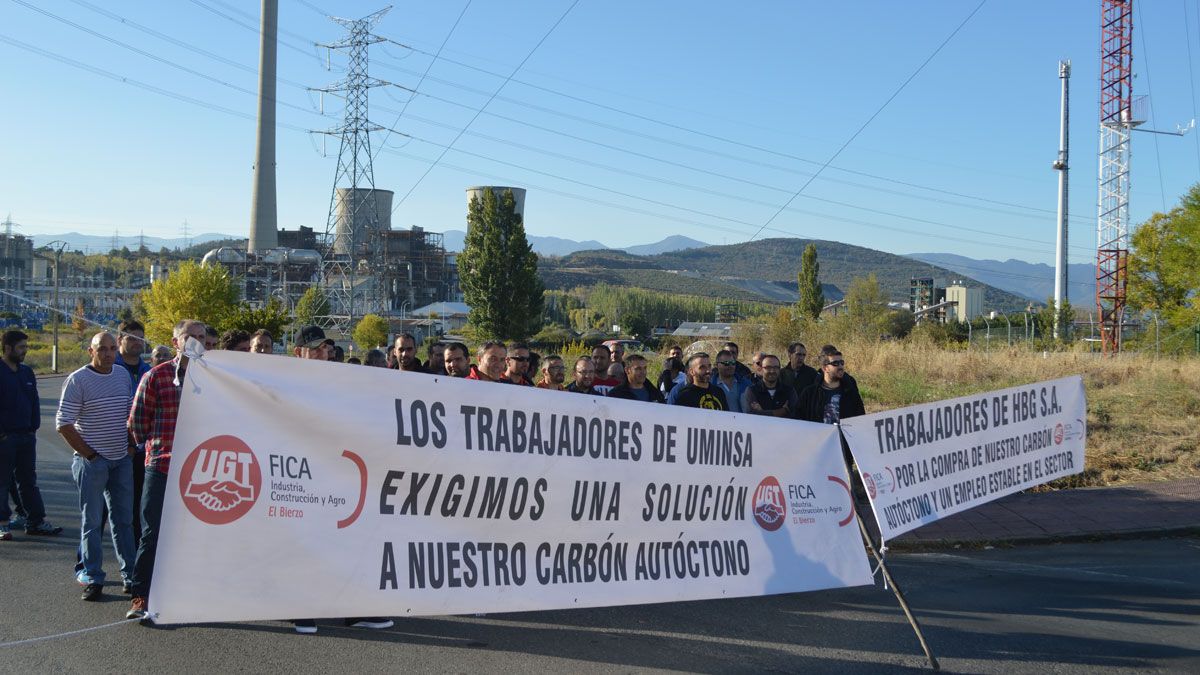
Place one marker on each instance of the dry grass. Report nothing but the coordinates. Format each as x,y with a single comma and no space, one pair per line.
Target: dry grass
1143,411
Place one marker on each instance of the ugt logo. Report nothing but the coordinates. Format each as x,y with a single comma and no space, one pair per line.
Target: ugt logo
769,504
220,480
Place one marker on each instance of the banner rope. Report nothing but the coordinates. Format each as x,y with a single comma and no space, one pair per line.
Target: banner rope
18,643
883,549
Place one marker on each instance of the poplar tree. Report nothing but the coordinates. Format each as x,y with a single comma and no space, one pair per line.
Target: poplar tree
497,270
812,299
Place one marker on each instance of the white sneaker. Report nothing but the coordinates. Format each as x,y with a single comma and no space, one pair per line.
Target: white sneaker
370,622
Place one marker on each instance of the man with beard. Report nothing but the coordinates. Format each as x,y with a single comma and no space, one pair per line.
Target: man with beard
636,387
435,358
517,362
458,364
700,393
769,396
406,353
553,374
834,397
601,360
585,373
20,417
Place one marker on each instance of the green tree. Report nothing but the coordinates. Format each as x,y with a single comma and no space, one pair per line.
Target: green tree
812,299
370,331
272,316
498,270
635,324
311,305
867,314
192,291
1163,275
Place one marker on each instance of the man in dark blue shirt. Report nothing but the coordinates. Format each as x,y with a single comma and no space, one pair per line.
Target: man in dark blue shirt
20,417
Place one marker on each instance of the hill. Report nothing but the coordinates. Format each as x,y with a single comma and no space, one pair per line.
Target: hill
1029,280
763,271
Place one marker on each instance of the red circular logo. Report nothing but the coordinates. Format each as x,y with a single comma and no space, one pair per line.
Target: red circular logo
220,480
770,507
1058,434
870,483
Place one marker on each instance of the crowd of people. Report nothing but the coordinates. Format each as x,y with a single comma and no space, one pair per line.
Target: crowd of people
118,415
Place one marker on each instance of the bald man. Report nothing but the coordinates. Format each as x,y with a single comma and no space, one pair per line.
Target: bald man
91,418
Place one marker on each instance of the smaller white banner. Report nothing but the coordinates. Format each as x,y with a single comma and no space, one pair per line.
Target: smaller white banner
925,462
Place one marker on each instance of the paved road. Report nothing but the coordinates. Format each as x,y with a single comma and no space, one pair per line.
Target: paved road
1094,607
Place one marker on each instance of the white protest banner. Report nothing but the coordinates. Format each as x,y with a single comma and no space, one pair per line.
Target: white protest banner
925,462
310,489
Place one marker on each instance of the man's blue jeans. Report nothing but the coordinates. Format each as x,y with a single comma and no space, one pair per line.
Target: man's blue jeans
18,462
154,490
104,480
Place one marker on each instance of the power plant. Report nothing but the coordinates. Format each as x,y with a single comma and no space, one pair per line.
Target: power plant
361,264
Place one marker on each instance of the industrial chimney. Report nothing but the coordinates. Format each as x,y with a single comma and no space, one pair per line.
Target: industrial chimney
263,218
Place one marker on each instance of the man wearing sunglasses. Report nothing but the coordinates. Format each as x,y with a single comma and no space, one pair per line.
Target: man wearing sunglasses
834,397
554,373
797,373
730,381
517,365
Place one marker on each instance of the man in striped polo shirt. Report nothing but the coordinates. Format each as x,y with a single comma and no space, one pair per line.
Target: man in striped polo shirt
92,414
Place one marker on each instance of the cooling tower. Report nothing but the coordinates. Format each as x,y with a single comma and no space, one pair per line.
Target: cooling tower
359,212
263,217
518,195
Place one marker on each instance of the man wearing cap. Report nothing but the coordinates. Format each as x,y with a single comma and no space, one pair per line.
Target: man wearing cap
152,425
312,344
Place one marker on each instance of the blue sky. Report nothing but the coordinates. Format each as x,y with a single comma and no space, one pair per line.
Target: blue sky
714,115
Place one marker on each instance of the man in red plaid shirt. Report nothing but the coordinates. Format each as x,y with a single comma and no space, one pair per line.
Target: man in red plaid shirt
152,422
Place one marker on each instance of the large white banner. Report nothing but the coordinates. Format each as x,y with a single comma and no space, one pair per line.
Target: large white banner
310,489
925,462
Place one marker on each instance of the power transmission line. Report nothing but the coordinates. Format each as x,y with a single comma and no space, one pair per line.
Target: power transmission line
187,99
485,104
423,75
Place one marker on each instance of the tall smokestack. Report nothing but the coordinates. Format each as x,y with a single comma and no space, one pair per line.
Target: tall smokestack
263,218
1061,292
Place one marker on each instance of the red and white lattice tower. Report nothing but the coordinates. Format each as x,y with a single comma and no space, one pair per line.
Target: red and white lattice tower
1116,122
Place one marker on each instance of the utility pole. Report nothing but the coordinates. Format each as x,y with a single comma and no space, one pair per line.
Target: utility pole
1061,166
